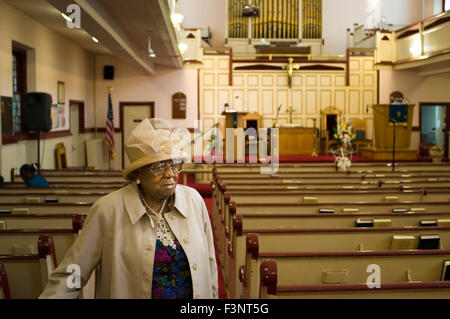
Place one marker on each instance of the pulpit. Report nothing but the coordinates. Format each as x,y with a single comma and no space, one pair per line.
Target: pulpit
234,119
384,131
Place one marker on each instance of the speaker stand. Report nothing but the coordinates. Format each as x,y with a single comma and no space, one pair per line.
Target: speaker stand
38,152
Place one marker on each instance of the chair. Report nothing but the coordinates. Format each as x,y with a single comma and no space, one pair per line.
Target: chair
329,120
252,120
60,154
360,127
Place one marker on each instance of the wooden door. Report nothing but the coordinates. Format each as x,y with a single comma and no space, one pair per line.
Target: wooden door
132,113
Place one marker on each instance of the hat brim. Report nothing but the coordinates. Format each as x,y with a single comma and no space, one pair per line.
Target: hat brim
144,161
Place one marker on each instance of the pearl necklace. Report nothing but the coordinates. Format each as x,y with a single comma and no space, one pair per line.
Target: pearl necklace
164,233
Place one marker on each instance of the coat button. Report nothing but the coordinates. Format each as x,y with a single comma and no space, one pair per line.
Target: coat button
194,267
186,240
172,217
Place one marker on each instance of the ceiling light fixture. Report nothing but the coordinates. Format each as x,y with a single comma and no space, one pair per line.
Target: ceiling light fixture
151,53
182,47
176,18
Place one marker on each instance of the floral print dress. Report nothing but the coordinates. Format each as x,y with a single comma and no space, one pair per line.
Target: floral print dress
171,273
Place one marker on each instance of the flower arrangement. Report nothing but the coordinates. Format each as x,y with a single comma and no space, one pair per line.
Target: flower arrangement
344,133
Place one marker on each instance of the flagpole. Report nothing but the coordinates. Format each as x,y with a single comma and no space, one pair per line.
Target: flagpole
110,89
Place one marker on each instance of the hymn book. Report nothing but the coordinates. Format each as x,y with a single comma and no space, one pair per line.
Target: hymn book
428,222
429,241
446,270
400,242
364,223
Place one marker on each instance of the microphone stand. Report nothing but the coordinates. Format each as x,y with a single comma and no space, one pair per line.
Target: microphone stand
394,122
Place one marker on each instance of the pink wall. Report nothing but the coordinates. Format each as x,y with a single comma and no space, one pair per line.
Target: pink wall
204,13
131,85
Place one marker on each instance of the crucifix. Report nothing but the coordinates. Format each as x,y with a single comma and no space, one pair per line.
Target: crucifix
290,68
290,110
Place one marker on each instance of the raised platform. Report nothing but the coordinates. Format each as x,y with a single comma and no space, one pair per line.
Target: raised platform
386,154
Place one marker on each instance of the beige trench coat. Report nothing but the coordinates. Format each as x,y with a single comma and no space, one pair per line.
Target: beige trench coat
118,237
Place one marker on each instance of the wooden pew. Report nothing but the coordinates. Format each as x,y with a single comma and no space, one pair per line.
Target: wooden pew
20,188
41,221
331,167
68,178
43,197
287,205
4,285
28,274
323,196
73,175
272,274
323,240
13,240
312,175
78,172
249,221
347,267
45,208
70,185
307,180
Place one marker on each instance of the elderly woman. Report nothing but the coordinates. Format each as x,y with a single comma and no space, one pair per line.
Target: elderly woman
149,239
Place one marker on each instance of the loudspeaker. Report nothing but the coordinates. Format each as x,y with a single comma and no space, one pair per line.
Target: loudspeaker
108,72
36,112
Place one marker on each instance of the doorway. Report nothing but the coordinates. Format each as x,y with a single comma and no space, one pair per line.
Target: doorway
131,114
76,150
434,125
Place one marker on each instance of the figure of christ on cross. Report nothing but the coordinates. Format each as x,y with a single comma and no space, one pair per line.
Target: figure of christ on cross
290,68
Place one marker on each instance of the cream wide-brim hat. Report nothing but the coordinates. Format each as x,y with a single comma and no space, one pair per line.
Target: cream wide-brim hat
154,140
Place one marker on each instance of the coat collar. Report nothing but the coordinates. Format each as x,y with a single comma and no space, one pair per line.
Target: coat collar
136,209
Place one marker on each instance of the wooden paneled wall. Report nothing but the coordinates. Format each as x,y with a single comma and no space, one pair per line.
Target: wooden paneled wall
264,90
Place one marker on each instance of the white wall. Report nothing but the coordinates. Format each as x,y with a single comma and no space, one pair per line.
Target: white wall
338,15
56,59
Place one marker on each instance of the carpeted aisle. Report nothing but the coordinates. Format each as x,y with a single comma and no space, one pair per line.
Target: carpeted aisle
222,292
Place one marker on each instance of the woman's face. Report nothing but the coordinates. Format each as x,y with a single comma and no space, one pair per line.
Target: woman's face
158,187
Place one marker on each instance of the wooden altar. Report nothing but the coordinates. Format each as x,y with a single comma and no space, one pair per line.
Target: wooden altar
296,141
384,131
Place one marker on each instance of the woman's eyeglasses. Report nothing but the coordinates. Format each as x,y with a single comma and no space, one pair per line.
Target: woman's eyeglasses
159,168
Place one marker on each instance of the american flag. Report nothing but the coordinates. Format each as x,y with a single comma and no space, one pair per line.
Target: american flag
109,136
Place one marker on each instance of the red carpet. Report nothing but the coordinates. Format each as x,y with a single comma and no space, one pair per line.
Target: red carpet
222,292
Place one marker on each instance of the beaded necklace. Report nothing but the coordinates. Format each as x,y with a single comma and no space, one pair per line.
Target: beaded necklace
164,233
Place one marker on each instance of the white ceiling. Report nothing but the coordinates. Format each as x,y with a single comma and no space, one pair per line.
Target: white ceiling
122,28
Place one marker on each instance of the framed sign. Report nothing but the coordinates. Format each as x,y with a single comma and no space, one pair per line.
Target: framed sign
7,115
61,92
179,106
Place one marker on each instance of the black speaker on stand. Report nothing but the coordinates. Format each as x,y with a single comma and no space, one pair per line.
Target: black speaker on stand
36,116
